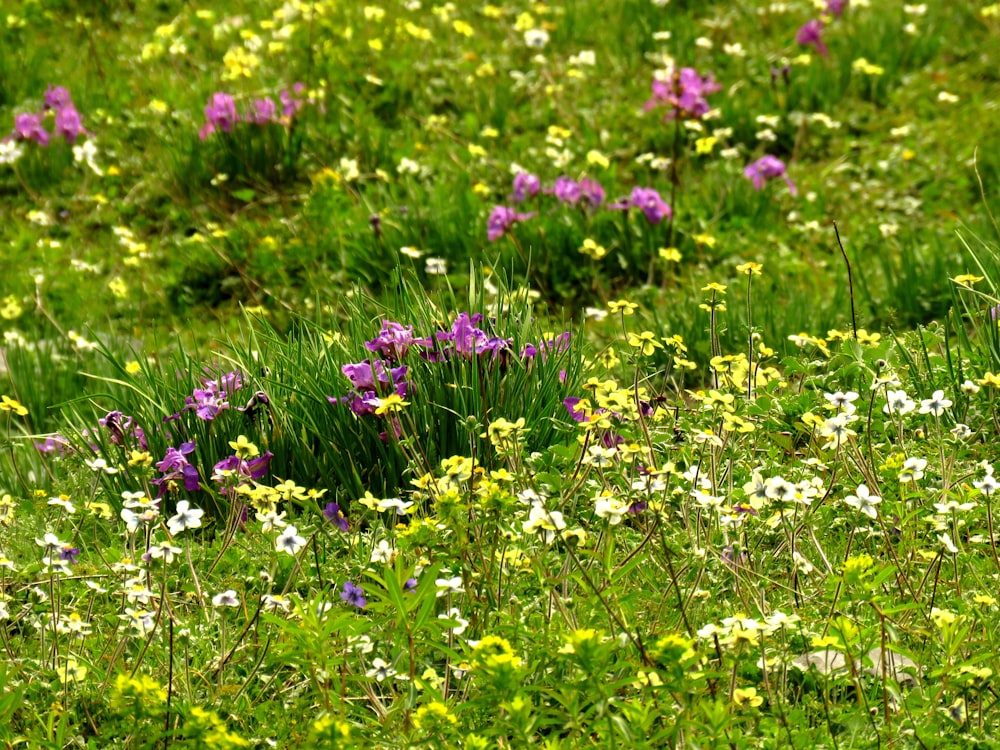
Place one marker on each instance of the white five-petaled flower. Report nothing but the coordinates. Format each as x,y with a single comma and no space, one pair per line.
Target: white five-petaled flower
380,670
99,464
455,615
864,501
988,484
186,518
289,541
935,405
449,585
842,401
164,550
897,402
913,469
382,552
227,598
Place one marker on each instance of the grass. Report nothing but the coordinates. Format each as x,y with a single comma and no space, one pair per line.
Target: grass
295,454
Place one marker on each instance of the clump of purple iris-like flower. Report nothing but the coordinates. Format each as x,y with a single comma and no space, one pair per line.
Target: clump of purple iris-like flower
121,428
213,397
767,168
503,218
526,185
810,34
649,201
683,92
221,114
335,515
29,126
176,468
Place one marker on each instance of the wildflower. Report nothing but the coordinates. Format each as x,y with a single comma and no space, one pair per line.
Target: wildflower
164,550
897,402
935,405
289,541
526,185
766,168
186,517
684,92
220,114
547,522
354,595
380,670
447,586
455,616
988,484
28,127
651,204
864,501
836,7
913,469
501,219
227,598
335,515
809,34
645,342
842,401
748,697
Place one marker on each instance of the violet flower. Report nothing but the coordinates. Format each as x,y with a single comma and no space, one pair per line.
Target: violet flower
354,595
767,168
567,190
220,114
176,467
57,97
394,341
809,34
525,186
28,127
68,124
836,8
335,515
262,111
651,203
684,93
501,219
592,192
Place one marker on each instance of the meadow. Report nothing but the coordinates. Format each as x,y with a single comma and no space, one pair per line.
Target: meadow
585,373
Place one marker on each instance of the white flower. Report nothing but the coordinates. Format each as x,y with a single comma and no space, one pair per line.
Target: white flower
988,484
380,670
843,401
408,166
779,488
913,469
382,552
836,430
10,152
449,585
864,501
611,508
271,520
934,405
544,521
164,550
897,402
87,152
227,598
536,38
99,464
435,266
289,541
947,543
186,518
454,614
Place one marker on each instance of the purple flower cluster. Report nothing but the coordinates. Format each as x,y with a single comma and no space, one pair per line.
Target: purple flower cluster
811,32
122,429
767,168
213,397
29,126
335,515
354,595
233,471
586,193
221,114
684,93
465,339
175,468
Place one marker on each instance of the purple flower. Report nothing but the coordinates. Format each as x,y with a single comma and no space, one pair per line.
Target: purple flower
766,168
262,111
364,374
354,595
69,553
578,415
501,219
57,97
525,186
335,515
651,203
176,467
394,341
410,585
684,94
836,8
54,444
290,103
809,34
28,127
68,124
220,114
592,192
567,190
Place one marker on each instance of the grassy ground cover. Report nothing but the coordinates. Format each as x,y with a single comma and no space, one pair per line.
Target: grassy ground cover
474,375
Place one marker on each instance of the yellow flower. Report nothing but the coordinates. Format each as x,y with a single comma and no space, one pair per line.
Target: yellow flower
646,342
621,305
463,28
861,65
593,250
9,404
705,239
132,367
244,448
871,339
990,379
750,269
391,403
747,696
967,279
596,158
671,254
714,287
705,145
